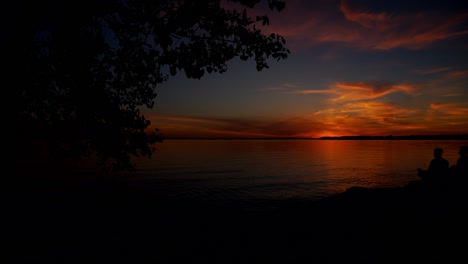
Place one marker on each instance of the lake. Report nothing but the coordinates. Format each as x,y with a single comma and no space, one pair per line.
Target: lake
246,170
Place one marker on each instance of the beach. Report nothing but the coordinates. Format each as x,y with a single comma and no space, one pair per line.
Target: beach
99,220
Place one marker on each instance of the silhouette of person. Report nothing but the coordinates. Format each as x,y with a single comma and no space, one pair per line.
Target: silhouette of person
438,167
461,167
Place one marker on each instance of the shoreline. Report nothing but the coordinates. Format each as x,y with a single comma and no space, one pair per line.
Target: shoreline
94,221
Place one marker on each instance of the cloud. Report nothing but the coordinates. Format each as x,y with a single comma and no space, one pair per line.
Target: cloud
386,31
371,112
282,87
366,117
294,127
457,74
449,110
312,91
449,83
172,126
306,25
293,88
453,95
433,70
352,91
450,117
363,108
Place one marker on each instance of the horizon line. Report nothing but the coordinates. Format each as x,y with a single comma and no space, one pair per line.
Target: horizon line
424,136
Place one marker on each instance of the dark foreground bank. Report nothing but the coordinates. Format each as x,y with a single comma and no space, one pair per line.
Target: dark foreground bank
103,221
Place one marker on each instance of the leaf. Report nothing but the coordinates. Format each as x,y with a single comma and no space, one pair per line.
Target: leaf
280,6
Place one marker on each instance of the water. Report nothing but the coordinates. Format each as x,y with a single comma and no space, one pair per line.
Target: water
245,170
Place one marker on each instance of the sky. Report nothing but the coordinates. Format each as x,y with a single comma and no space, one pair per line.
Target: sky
356,68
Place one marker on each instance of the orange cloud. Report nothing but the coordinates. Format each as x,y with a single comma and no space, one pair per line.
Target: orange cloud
316,125
353,108
368,114
450,110
457,74
351,118
448,117
351,91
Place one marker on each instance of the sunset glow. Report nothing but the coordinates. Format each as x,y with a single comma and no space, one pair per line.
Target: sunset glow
356,68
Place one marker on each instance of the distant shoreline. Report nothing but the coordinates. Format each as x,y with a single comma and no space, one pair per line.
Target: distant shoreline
408,137
390,137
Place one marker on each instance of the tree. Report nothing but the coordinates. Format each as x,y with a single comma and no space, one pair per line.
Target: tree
88,67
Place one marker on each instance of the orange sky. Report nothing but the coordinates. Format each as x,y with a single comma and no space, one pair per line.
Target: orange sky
356,68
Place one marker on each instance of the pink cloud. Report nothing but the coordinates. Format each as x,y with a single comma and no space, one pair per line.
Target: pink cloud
312,24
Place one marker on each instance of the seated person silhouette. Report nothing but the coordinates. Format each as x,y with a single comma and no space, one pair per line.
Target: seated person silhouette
438,167
461,168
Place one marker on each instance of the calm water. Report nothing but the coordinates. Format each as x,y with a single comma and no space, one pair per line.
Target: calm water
282,169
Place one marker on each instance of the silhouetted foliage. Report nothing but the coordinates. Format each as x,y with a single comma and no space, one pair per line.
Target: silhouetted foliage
85,69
